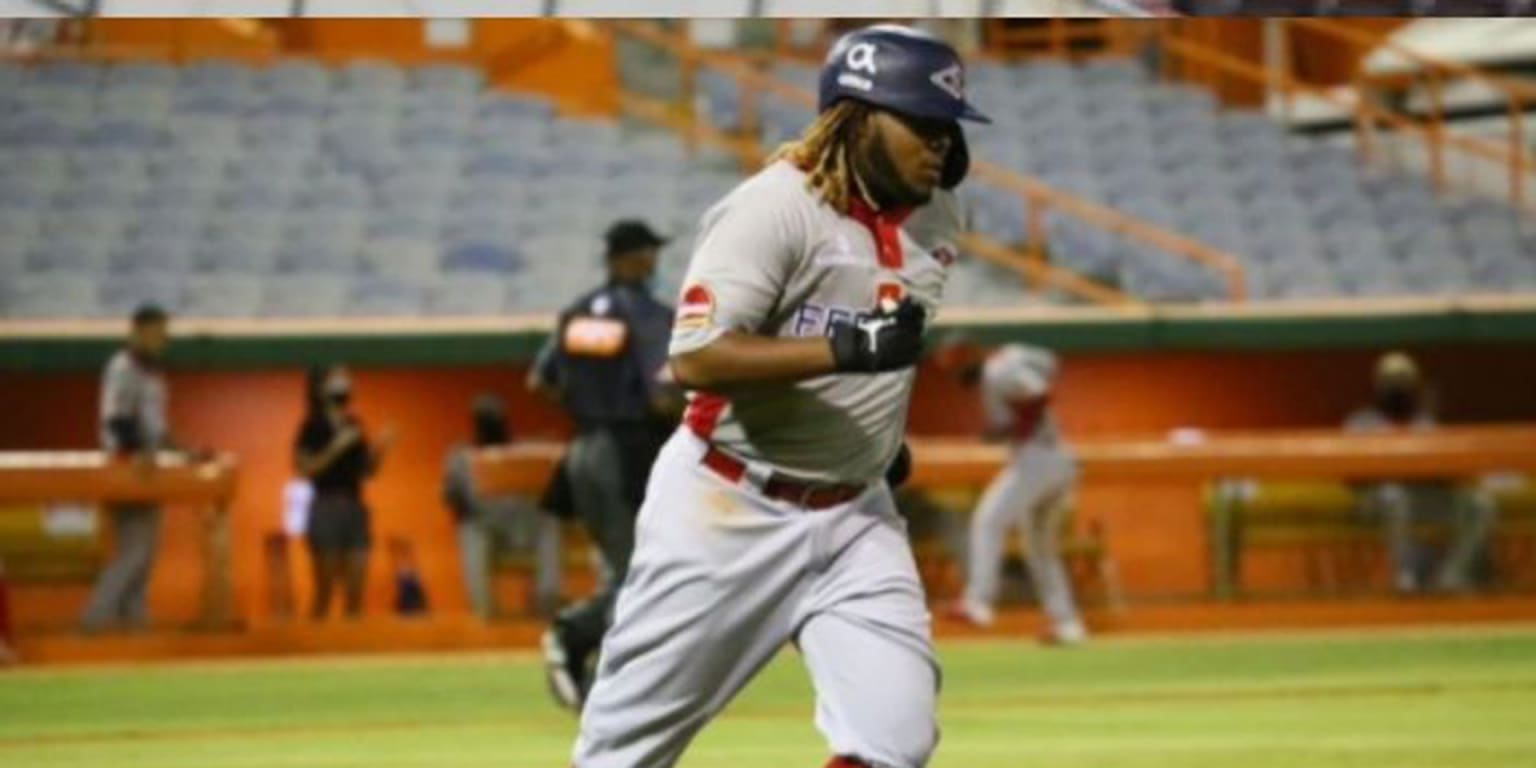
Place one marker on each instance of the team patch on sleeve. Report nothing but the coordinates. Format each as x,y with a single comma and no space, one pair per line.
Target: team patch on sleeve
696,308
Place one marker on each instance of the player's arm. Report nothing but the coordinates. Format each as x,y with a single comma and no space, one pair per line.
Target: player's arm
313,454
543,375
736,281
996,410
738,358
888,340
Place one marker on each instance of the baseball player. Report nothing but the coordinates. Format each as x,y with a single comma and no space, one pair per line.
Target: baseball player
768,518
1032,493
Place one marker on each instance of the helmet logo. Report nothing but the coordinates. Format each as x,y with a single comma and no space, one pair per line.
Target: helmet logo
951,79
861,58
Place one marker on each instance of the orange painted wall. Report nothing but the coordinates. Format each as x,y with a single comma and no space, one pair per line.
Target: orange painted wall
1156,532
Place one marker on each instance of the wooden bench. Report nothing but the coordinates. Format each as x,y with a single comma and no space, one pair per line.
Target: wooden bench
1322,522
35,549
35,479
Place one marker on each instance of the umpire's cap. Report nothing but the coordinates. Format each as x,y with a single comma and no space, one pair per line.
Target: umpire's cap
907,71
630,235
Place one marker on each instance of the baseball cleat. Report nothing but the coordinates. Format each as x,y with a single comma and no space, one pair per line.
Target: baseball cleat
1065,634
972,613
560,672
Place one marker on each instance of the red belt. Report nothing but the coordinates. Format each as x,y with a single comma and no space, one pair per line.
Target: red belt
810,495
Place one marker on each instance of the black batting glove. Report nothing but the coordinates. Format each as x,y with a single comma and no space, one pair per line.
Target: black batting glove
901,468
888,340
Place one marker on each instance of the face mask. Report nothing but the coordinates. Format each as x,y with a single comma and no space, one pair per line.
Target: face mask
338,395
1397,402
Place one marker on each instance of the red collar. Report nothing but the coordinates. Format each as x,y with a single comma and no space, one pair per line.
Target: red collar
885,226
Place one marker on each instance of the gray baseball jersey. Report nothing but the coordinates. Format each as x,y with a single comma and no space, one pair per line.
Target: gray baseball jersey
773,260
129,389
1016,383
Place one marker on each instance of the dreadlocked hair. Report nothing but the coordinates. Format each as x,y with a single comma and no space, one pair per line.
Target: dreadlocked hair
824,152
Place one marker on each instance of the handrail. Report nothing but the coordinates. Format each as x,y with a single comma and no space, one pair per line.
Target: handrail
1516,94
1367,116
1035,270
1057,36
1374,41
1039,195
499,65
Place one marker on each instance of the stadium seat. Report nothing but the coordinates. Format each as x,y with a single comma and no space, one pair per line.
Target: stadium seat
481,257
446,78
215,74
308,295
86,253
245,255
467,295
326,257
222,296
121,294
54,295
154,254
295,76
383,295
416,258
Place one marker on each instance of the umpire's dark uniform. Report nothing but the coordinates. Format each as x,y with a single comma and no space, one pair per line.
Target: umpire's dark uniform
606,360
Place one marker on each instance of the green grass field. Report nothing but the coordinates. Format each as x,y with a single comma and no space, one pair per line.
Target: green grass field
1437,700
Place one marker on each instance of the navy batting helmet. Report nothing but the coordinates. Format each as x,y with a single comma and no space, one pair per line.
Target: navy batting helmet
906,71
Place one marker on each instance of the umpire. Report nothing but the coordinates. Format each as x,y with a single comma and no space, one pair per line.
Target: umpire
606,364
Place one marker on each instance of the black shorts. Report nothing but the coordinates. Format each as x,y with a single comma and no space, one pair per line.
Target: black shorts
337,523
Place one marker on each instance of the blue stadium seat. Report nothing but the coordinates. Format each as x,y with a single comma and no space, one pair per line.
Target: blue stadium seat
296,77
481,257
467,295
216,74
401,257
325,258
384,296
447,78
368,74
501,108
78,253
157,253
141,73
54,295
231,295
304,295
120,294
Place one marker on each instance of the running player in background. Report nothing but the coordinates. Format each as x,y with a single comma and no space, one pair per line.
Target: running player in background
1033,493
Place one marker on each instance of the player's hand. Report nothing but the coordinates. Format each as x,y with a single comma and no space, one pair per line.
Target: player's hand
901,468
345,437
888,340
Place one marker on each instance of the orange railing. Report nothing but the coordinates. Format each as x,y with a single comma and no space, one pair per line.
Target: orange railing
1037,197
1063,37
1513,153
1438,142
